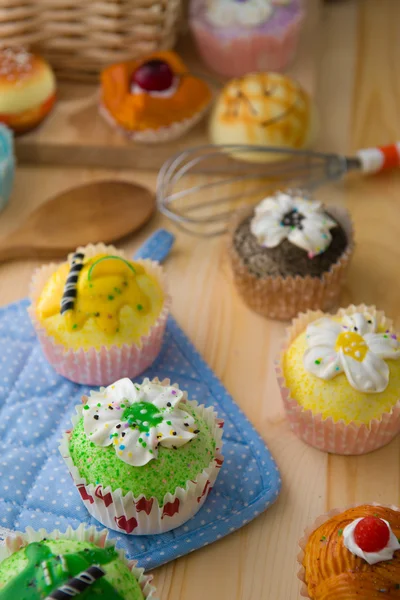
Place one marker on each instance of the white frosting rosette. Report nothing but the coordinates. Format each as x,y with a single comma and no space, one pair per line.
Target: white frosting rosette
136,419
353,346
284,216
225,13
371,558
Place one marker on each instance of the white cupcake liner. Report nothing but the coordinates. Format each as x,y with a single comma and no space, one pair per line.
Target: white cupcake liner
301,574
91,535
156,136
140,515
324,433
107,364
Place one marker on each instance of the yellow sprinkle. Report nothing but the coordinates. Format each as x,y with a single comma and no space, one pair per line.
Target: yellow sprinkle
130,454
120,453
106,425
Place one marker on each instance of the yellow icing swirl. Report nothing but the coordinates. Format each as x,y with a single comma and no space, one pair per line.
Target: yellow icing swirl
116,302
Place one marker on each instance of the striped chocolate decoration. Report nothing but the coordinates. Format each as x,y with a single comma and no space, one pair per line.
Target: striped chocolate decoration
76,585
69,294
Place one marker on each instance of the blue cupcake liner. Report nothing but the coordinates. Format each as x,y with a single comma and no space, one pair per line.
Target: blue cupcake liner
7,165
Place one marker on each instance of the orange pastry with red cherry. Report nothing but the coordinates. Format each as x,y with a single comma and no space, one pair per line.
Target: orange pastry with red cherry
353,555
154,99
27,89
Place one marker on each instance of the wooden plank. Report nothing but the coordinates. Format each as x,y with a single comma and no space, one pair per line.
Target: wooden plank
356,95
75,134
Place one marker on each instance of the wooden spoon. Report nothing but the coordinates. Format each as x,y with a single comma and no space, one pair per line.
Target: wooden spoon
104,211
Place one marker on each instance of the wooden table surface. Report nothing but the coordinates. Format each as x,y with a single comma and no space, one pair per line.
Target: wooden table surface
358,90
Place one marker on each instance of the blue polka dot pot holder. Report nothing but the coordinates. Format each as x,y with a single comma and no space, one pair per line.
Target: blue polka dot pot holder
36,406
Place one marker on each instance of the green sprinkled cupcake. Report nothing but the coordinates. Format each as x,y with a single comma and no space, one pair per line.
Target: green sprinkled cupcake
143,456
38,565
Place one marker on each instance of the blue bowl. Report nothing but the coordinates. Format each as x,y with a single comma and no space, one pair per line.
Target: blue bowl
7,165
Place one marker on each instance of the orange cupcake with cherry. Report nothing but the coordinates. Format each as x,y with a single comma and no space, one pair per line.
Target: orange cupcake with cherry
155,99
352,555
27,89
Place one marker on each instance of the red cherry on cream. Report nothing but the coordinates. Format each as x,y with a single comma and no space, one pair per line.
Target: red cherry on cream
153,76
371,534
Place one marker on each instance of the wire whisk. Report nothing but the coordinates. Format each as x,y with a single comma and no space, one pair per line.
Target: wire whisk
237,175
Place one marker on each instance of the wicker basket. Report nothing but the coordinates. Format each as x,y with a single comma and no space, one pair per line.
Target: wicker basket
79,37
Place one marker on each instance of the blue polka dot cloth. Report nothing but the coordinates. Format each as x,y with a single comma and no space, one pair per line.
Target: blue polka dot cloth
36,406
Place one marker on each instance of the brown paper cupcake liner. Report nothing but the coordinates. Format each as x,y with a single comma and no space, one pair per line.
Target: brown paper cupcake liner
301,574
326,434
283,298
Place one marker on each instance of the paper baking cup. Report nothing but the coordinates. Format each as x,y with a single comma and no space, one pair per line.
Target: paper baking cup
155,136
283,298
326,434
141,515
108,364
309,530
18,540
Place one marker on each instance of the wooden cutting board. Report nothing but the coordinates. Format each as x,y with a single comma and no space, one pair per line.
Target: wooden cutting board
75,134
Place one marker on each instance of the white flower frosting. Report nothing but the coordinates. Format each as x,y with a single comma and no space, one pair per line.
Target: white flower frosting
371,557
353,346
136,419
225,13
284,216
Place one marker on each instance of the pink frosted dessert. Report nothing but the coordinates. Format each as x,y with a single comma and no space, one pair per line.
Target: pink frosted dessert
235,37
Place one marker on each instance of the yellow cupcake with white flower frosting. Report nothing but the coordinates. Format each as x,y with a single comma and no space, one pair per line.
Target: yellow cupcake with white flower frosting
346,367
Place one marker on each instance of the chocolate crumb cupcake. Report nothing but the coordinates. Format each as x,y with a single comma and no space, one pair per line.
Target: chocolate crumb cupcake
290,255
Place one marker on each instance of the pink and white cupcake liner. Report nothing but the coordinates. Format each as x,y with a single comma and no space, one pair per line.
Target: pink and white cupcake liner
18,540
156,136
257,49
324,433
317,523
140,515
108,364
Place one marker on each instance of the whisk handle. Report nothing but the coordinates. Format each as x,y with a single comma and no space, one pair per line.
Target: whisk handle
381,158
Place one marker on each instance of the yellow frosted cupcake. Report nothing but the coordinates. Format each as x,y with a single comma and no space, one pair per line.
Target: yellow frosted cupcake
100,316
340,379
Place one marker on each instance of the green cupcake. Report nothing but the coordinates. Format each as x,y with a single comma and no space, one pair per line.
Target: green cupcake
37,566
142,456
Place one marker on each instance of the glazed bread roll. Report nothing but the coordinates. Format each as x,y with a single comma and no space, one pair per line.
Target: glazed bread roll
27,89
263,109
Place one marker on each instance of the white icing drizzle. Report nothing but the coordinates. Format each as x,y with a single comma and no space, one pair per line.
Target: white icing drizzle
354,347
136,433
225,13
371,557
284,216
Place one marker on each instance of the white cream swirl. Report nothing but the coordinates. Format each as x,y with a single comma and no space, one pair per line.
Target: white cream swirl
354,347
371,557
285,216
225,13
136,419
